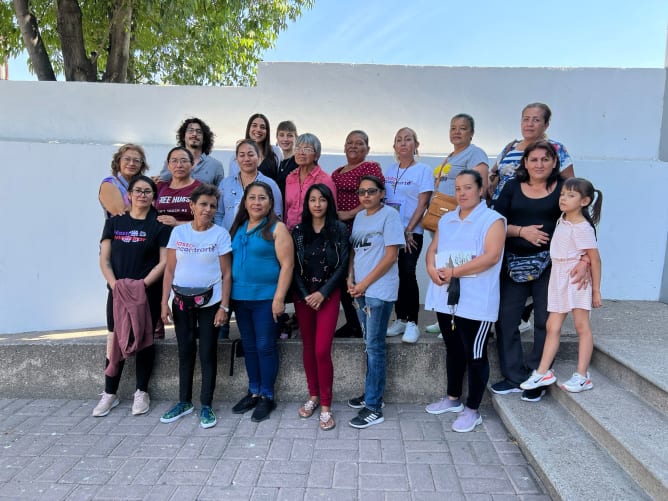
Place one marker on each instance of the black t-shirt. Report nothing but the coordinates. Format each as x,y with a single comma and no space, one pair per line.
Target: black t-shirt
520,210
135,244
286,167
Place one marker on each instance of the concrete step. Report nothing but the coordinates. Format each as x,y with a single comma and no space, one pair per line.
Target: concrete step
632,431
569,461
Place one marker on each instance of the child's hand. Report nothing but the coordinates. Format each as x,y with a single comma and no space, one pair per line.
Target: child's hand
596,300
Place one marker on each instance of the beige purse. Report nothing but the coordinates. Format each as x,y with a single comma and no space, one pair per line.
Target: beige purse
440,204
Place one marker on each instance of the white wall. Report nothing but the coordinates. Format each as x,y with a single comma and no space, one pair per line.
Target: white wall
59,137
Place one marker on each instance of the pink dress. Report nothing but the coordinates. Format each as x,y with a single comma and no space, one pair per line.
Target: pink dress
569,243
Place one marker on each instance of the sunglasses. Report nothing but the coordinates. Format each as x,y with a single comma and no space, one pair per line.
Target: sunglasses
369,191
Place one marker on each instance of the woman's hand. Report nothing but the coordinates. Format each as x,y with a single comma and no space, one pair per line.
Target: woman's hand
220,318
315,300
596,299
534,235
277,309
356,290
433,274
168,220
580,275
411,244
445,274
165,314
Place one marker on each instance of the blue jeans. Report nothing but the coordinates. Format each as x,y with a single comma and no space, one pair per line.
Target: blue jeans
258,337
373,315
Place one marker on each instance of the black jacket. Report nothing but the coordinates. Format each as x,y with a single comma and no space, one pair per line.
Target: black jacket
337,255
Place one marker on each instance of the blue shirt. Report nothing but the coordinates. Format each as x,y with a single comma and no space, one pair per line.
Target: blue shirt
255,267
231,192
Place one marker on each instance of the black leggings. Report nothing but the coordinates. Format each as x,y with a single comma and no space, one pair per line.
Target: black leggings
189,324
408,299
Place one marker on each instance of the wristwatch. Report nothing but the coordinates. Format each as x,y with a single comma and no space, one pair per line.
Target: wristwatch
224,308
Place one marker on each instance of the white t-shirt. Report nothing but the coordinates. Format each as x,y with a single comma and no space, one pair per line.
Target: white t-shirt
403,188
370,236
197,252
465,159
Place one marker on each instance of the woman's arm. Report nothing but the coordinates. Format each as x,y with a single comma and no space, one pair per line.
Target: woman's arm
491,254
157,271
170,220
286,258
431,260
483,168
167,280
347,215
105,263
226,273
383,266
595,258
112,200
567,172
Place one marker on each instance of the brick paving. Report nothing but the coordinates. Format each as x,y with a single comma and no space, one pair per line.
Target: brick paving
54,449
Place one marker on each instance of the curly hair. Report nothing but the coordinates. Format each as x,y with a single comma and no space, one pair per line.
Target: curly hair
207,133
116,159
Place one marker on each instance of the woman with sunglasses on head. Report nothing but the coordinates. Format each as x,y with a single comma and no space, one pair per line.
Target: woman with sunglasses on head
132,253
373,282
173,200
127,162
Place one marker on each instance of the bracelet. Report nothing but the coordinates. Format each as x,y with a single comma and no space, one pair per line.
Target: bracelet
224,308
519,233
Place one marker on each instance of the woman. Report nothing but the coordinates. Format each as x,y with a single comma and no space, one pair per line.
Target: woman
308,173
261,274
198,271
321,262
534,124
133,247
127,162
258,130
173,201
409,186
373,282
530,204
347,179
464,156
468,245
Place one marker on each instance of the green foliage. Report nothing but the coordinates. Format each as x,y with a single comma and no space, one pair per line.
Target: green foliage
181,42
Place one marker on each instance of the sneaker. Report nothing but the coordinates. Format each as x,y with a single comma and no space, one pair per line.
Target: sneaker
263,409
577,383
440,336
445,405
525,326
536,380
359,403
106,403
245,404
504,387
533,395
177,412
366,418
398,327
433,328
411,333
467,421
207,418
141,403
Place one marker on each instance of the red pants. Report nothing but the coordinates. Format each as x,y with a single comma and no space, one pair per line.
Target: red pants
317,331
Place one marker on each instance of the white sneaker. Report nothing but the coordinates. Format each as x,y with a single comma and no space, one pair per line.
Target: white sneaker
433,328
106,403
411,333
141,404
398,327
577,383
525,326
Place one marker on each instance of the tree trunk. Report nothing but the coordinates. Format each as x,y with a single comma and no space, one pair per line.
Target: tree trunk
33,41
78,67
119,42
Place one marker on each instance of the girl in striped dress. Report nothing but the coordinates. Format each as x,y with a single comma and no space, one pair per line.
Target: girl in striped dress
573,237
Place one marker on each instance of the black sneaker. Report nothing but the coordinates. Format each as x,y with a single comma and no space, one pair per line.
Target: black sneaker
246,404
366,418
504,387
263,409
533,395
359,403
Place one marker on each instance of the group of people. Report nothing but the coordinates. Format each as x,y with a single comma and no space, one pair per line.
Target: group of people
279,229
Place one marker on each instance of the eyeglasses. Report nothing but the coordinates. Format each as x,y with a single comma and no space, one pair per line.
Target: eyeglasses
191,130
305,149
132,160
139,193
369,191
182,161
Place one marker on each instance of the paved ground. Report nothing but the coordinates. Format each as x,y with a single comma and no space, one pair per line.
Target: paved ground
54,449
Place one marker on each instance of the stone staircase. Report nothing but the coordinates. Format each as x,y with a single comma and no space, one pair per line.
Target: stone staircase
611,442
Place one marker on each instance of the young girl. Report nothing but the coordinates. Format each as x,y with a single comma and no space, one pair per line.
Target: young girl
574,236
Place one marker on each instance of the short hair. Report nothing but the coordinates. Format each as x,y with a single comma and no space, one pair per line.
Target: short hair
471,172
207,134
310,140
547,112
374,179
181,148
522,174
146,179
286,126
466,117
204,190
116,159
364,135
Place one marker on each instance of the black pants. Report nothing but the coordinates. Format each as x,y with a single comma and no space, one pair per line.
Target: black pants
514,295
407,305
189,324
465,348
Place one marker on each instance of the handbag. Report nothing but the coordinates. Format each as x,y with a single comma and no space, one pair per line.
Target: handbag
527,268
192,297
440,204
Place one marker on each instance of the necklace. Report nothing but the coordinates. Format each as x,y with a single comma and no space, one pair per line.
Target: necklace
241,180
399,176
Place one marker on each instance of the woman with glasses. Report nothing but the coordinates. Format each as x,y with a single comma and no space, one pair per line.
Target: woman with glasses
373,282
307,153
126,163
133,249
173,200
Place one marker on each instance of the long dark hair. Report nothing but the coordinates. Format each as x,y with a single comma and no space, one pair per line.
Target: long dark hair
242,216
522,174
592,211
267,152
331,216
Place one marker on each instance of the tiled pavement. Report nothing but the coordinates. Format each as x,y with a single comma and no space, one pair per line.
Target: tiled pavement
54,449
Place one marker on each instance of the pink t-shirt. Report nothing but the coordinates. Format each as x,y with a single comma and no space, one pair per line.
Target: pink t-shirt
295,192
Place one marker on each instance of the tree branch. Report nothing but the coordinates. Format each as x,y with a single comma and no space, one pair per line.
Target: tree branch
78,66
119,42
33,41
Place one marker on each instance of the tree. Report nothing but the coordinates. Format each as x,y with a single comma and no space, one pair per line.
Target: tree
181,42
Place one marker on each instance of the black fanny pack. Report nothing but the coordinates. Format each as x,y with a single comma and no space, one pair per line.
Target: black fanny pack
192,297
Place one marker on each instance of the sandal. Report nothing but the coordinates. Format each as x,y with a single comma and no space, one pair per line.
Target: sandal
327,421
307,410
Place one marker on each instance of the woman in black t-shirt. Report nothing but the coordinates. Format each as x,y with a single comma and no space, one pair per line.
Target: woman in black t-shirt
133,246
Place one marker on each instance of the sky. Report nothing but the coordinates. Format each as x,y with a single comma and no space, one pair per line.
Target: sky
582,33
